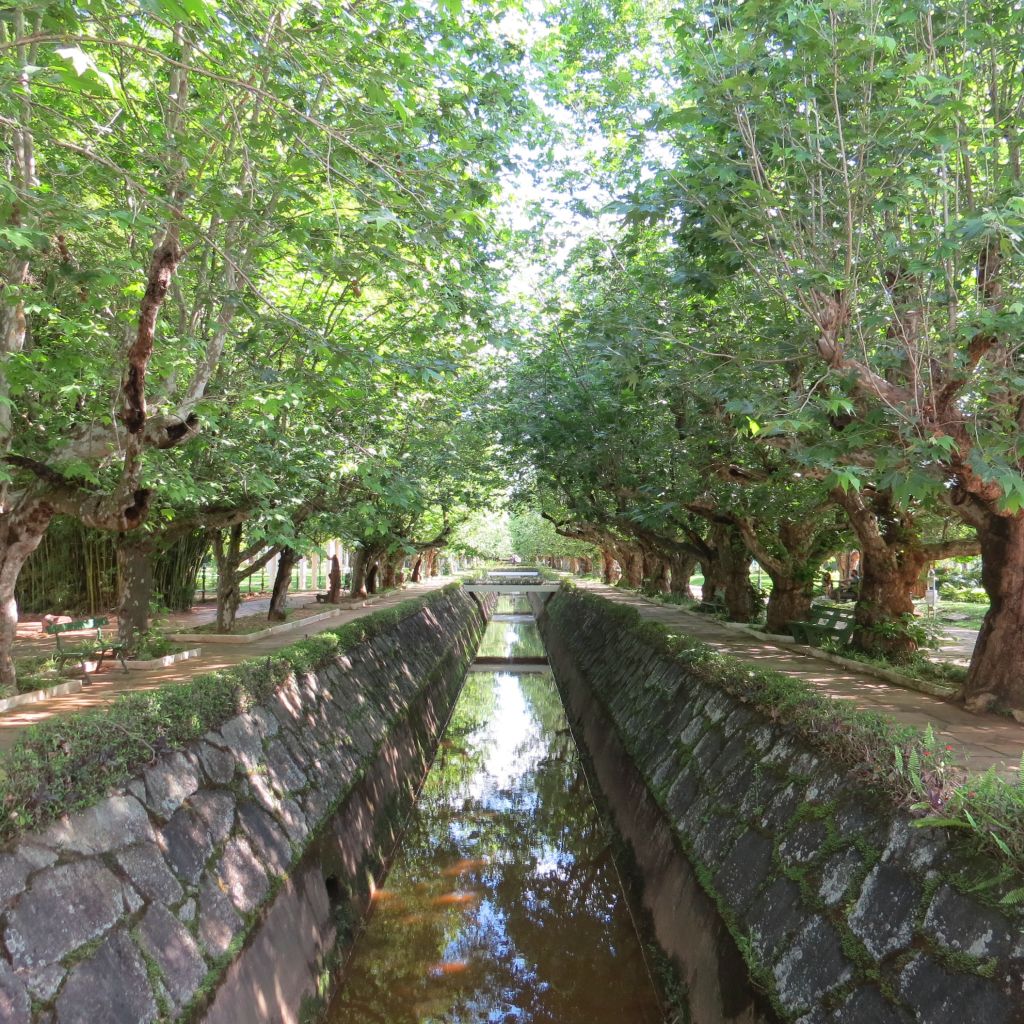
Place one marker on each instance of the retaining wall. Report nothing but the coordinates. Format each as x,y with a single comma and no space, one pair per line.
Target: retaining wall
783,887
215,885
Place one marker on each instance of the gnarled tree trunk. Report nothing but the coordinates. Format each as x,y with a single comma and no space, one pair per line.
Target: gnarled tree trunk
286,562
680,570
741,600
359,566
21,531
416,568
334,581
372,576
135,589
789,601
996,672
632,563
608,570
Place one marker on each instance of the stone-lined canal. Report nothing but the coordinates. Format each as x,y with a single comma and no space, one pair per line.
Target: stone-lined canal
503,904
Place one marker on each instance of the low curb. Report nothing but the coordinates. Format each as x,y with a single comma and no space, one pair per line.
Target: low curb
35,696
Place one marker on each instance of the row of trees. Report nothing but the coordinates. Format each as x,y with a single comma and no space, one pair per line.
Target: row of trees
245,279
805,331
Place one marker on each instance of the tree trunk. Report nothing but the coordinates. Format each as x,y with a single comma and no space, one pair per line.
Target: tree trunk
372,577
435,563
741,599
334,581
681,569
789,601
229,597
389,575
417,566
656,574
891,561
632,567
358,587
229,591
135,589
996,672
20,533
607,566
286,562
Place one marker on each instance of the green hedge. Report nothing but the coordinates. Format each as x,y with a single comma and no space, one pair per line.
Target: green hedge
72,761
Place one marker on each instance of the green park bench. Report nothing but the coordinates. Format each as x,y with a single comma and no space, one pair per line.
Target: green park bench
91,648
825,622
713,607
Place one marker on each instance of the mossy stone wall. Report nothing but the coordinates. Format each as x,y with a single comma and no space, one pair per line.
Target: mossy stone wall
215,883
844,911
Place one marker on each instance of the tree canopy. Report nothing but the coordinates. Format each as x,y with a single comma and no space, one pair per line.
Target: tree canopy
681,283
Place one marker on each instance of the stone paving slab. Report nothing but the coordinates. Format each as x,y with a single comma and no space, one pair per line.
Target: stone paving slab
102,689
980,741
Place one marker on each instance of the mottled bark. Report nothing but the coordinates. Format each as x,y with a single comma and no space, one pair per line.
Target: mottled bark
680,570
789,601
741,600
135,588
334,581
609,573
996,671
286,562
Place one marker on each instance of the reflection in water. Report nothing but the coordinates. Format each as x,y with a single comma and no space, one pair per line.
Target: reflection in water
513,604
509,638
503,905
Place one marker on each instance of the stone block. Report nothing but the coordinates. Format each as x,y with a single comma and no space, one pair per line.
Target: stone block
241,876
773,917
113,823
869,1005
781,809
43,982
713,841
218,764
744,870
217,810
146,867
186,844
708,749
284,772
219,922
883,918
169,783
813,965
164,938
109,987
266,837
958,922
15,1005
837,875
803,843
938,997
243,737
294,821
268,723
66,906
17,866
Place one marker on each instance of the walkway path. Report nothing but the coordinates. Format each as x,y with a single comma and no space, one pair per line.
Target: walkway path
214,656
980,741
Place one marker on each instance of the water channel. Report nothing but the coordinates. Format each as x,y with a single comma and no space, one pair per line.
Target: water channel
503,904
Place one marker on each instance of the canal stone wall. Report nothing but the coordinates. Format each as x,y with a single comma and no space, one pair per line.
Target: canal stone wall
761,860
216,884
